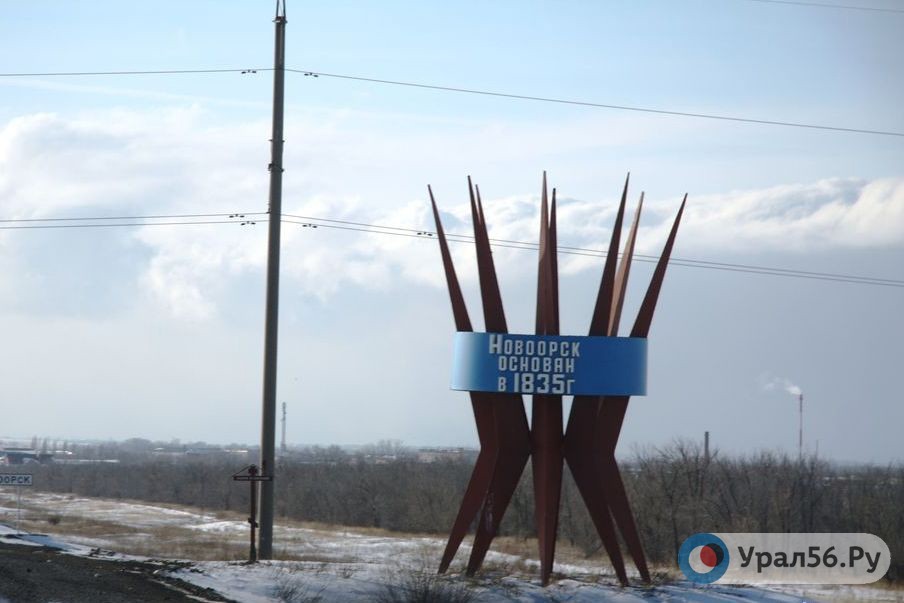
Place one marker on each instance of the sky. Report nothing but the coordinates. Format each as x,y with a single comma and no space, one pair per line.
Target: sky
156,331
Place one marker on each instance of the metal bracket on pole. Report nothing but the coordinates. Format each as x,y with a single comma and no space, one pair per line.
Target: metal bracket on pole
250,474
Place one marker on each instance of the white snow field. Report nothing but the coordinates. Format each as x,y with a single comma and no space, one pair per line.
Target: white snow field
345,564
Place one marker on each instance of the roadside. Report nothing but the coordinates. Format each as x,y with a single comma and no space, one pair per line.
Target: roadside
315,563
39,574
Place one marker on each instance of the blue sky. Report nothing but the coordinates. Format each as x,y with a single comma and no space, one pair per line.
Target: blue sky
156,331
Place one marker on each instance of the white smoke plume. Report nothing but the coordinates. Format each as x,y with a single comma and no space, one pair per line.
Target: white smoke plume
783,384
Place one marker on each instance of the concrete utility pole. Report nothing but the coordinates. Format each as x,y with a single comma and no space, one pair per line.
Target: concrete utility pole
271,323
800,428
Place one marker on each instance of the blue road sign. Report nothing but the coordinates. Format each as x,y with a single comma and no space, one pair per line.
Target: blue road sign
550,364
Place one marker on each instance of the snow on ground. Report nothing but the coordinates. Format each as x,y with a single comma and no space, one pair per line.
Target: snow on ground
344,564
266,582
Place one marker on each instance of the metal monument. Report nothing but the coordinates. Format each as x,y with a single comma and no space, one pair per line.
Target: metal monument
601,371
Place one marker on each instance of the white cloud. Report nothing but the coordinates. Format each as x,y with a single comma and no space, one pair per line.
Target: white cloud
176,281
798,218
175,161
822,215
169,317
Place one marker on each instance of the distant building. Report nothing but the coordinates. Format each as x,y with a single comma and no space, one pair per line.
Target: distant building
22,456
169,452
198,452
436,455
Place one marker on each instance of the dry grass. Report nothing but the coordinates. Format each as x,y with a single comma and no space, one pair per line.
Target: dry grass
416,586
60,517
509,556
76,526
148,541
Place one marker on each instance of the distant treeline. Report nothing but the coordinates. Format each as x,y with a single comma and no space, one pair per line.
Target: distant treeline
675,491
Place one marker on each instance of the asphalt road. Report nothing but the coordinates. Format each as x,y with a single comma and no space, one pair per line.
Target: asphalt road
31,574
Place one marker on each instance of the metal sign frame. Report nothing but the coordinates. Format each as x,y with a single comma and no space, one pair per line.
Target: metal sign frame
591,434
18,480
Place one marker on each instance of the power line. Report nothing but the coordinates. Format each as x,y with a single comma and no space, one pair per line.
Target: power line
247,219
563,101
491,93
135,72
147,217
241,218
836,6
120,224
595,252
528,246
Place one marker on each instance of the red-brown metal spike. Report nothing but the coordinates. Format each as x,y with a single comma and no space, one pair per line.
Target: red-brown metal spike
459,309
586,472
483,219
624,269
645,315
605,466
510,420
493,312
543,274
514,451
479,485
607,470
599,324
579,435
546,414
613,409
554,262
481,405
